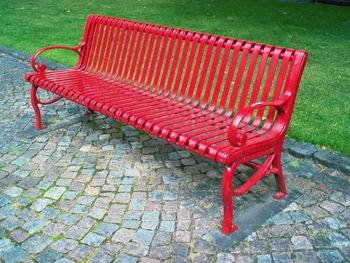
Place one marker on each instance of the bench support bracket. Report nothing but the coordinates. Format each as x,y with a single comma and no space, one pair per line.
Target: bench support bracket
271,165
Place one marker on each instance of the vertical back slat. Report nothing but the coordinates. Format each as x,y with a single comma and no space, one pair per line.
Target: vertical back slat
161,59
230,74
208,89
204,71
191,91
167,61
154,59
249,76
238,79
181,66
218,85
189,67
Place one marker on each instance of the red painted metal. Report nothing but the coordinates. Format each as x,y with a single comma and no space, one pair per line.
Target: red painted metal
226,99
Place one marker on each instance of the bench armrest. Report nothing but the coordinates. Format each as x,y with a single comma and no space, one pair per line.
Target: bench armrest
42,67
238,138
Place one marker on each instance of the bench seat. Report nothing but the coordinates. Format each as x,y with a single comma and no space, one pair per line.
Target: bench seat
198,130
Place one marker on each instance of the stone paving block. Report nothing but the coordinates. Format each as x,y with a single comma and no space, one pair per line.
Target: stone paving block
76,232
41,203
36,244
299,216
106,229
101,258
64,245
123,235
167,226
143,236
330,255
50,212
93,239
63,260
11,223
123,258
97,213
331,222
13,191
5,244
161,253
34,226
306,256
15,254
263,259
19,235
332,207
281,257
55,192
332,182
4,199
48,255
338,240
301,242
80,252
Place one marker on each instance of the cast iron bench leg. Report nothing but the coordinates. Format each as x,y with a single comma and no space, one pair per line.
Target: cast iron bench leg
35,103
280,182
227,194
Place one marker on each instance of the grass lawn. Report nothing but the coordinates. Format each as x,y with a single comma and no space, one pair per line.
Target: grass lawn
322,113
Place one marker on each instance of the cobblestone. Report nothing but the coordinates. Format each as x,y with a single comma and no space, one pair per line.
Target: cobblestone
93,190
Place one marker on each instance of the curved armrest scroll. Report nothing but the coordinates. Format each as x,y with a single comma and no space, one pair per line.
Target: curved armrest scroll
41,67
238,138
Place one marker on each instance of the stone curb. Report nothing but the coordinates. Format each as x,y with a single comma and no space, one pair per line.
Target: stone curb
327,158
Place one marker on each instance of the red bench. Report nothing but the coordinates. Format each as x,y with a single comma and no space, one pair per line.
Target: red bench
226,99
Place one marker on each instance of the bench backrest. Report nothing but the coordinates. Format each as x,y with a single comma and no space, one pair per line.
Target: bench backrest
215,72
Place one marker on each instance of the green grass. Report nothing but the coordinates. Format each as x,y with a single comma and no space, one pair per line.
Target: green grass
322,113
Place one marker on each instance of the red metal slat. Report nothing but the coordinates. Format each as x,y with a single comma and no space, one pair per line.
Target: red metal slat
238,79
134,28
268,84
189,66
170,89
146,38
146,71
194,77
94,49
166,68
181,65
249,77
204,71
223,65
230,74
113,55
140,35
102,55
125,48
119,54
208,89
159,64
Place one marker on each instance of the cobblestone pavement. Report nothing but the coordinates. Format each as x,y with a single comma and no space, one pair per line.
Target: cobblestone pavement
92,190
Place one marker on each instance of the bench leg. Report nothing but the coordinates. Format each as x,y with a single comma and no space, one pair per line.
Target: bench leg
35,103
227,194
279,178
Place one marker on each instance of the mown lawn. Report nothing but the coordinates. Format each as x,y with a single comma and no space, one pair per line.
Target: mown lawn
322,114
